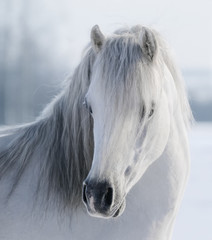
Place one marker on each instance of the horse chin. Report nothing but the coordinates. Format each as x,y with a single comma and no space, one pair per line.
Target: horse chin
120,209
118,212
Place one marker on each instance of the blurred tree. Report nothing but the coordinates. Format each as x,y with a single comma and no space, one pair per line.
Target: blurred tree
34,53
4,40
25,66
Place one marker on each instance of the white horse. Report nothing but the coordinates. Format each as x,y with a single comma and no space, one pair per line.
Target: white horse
120,122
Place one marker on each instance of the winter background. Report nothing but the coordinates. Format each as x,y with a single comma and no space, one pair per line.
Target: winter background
41,42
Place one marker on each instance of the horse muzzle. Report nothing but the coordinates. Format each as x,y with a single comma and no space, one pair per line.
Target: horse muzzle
99,198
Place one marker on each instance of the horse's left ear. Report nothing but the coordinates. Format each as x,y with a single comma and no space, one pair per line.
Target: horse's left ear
148,43
97,38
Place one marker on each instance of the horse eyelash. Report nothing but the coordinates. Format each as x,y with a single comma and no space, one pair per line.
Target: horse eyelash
152,110
143,111
87,106
90,110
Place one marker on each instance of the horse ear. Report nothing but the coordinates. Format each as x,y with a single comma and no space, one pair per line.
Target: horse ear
97,38
148,43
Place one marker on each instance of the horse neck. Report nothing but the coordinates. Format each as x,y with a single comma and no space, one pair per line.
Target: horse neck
161,188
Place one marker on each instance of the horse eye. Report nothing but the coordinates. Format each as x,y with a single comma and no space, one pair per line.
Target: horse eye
151,112
143,112
87,106
90,110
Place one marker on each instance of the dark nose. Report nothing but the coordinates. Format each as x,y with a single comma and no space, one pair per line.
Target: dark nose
98,196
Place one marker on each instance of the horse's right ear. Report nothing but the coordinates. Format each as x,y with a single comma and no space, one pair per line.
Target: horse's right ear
97,38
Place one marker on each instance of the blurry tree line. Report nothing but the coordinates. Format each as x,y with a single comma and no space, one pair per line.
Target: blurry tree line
199,88
202,111
31,68
26,67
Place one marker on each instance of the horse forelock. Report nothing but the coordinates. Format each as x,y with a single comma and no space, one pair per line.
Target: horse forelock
125,73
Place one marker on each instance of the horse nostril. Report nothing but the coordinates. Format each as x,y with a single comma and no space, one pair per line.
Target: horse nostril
108,197
84,193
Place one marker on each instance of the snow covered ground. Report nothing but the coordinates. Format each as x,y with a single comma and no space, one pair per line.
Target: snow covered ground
194,221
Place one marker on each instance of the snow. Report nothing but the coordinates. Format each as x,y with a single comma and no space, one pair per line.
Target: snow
194,220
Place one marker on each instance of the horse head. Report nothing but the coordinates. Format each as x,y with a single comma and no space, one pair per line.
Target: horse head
131,115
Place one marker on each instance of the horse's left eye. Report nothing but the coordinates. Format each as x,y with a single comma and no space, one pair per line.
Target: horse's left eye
151,112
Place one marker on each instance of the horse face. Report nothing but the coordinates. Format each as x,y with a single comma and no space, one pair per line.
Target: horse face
128,137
